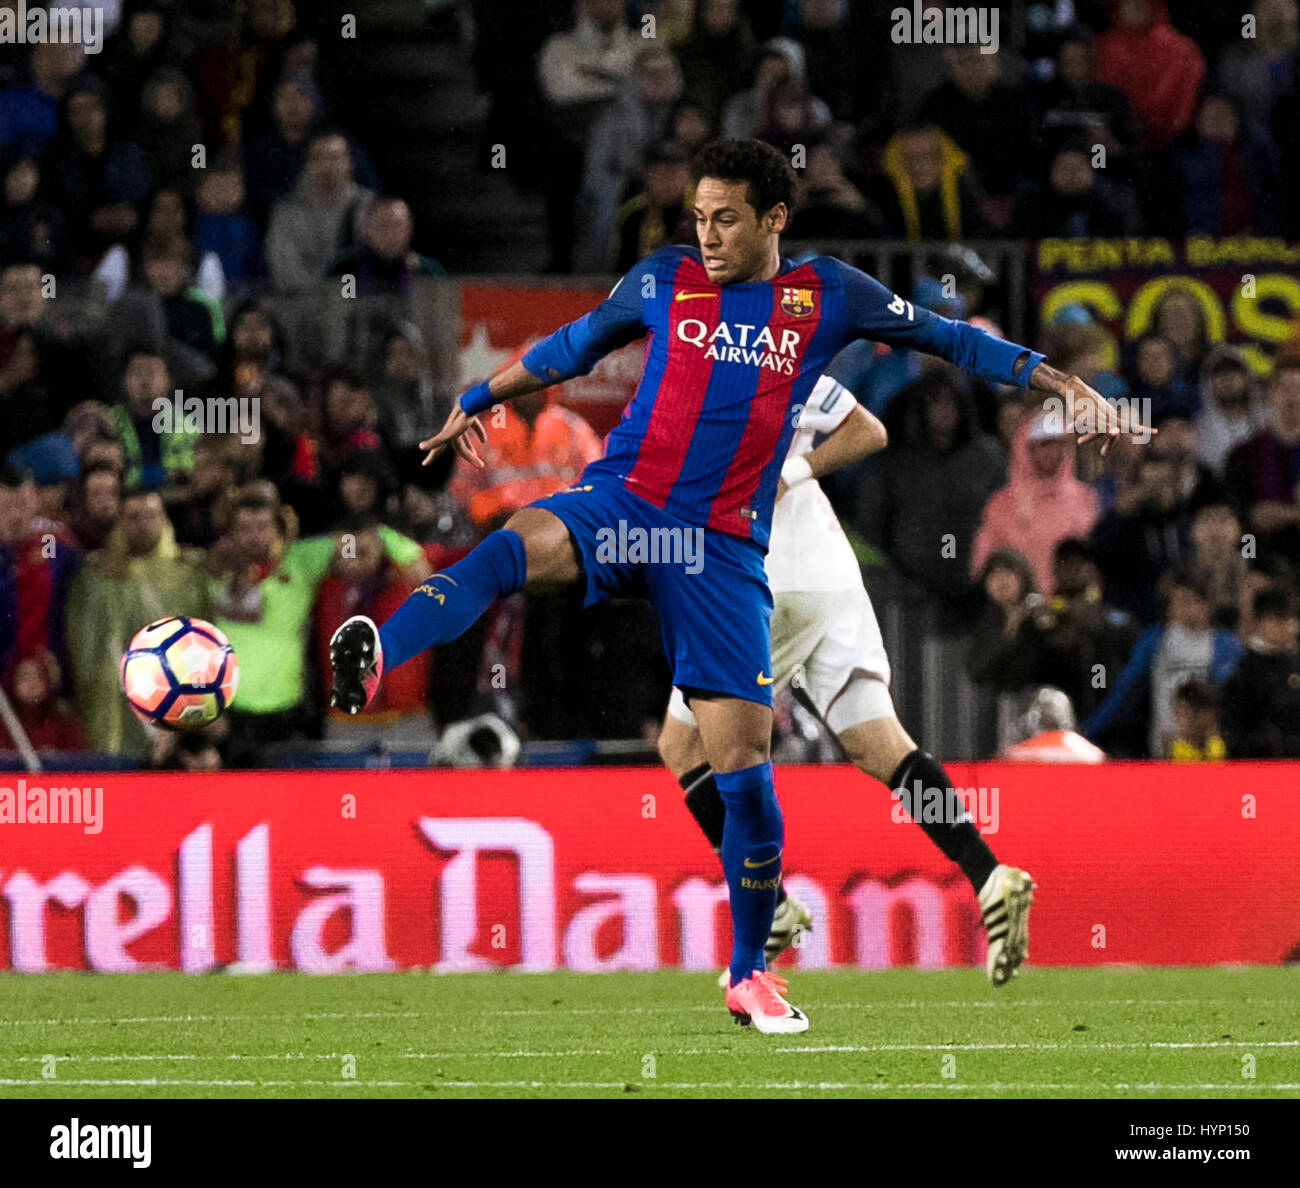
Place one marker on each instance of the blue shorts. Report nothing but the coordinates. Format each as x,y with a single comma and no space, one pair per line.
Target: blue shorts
709,588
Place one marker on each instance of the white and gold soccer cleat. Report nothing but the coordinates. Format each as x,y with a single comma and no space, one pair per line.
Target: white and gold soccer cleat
1004,902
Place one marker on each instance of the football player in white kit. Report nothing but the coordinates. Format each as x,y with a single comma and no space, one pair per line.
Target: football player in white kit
826,640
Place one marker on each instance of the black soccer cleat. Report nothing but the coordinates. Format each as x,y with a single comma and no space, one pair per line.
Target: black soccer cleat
358,662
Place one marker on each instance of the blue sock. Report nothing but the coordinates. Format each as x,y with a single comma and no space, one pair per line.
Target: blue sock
752,836
446,604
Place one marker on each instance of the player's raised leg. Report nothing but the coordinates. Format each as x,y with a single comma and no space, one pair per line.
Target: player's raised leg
532,550
881,748
735,735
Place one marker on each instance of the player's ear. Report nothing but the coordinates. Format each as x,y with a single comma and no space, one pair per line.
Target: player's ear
777,217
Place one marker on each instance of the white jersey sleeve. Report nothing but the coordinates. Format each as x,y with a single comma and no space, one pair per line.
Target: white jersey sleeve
808,549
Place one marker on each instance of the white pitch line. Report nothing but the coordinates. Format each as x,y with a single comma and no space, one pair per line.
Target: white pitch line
759,1086
439,1010
802,1049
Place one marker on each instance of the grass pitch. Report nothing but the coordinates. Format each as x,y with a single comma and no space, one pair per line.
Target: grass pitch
1120,1033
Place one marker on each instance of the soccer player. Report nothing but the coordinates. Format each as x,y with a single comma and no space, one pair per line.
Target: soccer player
737,338
826,639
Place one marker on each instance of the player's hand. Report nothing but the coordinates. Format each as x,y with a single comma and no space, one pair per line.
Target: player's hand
1093,416
457,432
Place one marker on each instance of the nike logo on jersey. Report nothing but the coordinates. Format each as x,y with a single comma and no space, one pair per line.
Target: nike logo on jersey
762,680
691,296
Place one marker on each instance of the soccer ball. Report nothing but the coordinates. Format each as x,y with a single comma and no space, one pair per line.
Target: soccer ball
179,674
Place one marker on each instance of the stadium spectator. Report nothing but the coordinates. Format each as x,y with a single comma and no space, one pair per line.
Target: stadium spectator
1075,202
1041,504
190,318
262,584
1218,559
1195,484
928,189
142,44
1195,737
1261,699
223,228
383,263
986,119
1229,175
101,177
46,719
404,394
1153,362
29,114
364,580
141,574
1137,718
661,212
321,218
829,206
717,60
1074,640
193,509
535,447
1230,413
581,73
1048,734
274,160
26,410
31,228
1180,316
1263,471
365,481
1073,108
235,78
994,654
51,461
158,450
1142,535
921,498
99,500
793,117
1256,72
168,130
1159,69
780,61
615,148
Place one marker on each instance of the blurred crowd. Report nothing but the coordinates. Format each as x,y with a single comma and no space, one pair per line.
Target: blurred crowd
1112,119
1154,590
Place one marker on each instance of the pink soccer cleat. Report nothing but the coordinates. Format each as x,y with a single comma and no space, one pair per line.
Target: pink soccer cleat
759,999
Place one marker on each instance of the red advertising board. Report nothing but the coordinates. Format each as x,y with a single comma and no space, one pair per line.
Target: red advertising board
497,320
600,869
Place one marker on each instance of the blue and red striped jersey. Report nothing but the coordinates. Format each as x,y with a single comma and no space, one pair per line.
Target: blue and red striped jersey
728,367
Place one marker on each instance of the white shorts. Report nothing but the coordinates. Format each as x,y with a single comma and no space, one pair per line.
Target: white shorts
828,644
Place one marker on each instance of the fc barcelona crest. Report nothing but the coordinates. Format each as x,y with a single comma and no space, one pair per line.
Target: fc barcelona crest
798,303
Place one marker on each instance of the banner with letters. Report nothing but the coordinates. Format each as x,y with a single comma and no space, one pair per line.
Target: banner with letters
1248,288
497,319
603,869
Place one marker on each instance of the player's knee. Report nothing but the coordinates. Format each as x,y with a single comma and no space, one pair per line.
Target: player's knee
548,550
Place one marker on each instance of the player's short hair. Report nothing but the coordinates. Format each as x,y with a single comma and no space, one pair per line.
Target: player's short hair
765,171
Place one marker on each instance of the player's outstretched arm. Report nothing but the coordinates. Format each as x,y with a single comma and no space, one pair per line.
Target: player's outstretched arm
463,425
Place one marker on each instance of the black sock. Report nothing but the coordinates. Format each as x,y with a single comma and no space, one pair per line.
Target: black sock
705,804
955,834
